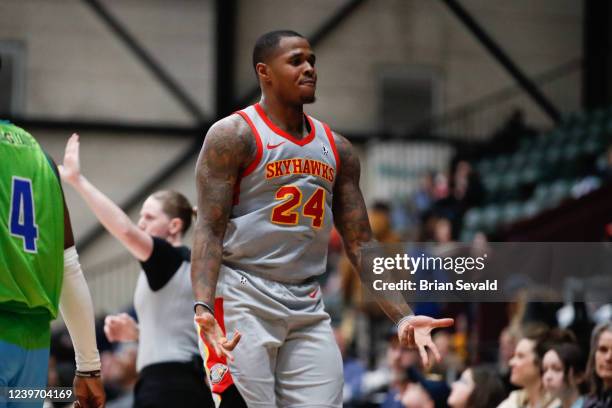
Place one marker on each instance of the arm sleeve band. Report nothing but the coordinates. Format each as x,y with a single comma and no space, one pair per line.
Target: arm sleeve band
77,309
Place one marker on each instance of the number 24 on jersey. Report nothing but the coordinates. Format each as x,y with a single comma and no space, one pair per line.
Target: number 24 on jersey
286,213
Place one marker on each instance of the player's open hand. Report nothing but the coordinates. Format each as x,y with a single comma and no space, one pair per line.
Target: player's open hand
70,170
120,327
214,336
416,332
89,392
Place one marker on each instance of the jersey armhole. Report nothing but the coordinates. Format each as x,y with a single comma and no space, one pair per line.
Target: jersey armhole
332,143
253,165
53,167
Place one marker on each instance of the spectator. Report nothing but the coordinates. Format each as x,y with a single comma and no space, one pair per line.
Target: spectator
563,371
450,364
423,197
443,231
421,392
416,396
120,374
478,387
380,220
526,373
399,359
508,340
599,368
392,374
467,187
353,373
441,186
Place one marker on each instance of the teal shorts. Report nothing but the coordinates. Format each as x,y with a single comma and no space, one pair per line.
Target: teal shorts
23,362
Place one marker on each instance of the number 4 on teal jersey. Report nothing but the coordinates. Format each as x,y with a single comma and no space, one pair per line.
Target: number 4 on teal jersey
22,217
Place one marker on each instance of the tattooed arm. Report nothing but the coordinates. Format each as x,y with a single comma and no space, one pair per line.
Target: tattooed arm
228,148
351,219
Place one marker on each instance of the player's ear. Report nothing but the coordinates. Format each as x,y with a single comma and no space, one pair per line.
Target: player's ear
263,71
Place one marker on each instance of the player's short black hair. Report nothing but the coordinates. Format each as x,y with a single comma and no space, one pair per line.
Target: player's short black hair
268,43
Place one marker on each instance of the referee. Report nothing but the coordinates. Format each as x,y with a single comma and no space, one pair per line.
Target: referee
168,362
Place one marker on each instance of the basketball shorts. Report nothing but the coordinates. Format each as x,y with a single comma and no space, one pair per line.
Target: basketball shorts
24,356
287,356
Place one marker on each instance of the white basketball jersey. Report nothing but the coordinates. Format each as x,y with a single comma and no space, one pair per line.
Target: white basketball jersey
282,216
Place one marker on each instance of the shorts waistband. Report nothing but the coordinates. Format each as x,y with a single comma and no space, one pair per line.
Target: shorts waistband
271,278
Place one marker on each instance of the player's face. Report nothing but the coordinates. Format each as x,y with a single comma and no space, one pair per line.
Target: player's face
461,390
292,71
552,372
524,369
153,220
603,358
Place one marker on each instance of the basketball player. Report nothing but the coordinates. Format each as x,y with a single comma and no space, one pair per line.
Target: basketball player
39,273
270,180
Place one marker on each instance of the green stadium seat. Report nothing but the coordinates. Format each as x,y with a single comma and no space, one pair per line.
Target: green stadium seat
535,157
473,218
529,175
530,209
491,217
526,144
518,160
510,180
570,152
541,193
558,191
484,166
467,235
511,212
577,135
501,163
553,155
492,182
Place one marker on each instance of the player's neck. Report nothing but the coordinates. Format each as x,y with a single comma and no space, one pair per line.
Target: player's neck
289,118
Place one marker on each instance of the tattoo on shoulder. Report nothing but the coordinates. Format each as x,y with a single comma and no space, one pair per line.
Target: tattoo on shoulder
349,161
228,143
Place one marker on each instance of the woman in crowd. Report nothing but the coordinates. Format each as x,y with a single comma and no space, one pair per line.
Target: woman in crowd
478,387
563,371
599,368
526,373
170,369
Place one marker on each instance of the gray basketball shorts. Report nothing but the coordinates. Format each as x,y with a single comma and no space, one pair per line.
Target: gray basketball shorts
287,356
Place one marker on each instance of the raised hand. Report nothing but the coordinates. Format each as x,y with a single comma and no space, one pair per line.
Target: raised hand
121,327
214,335
70,170
416,332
